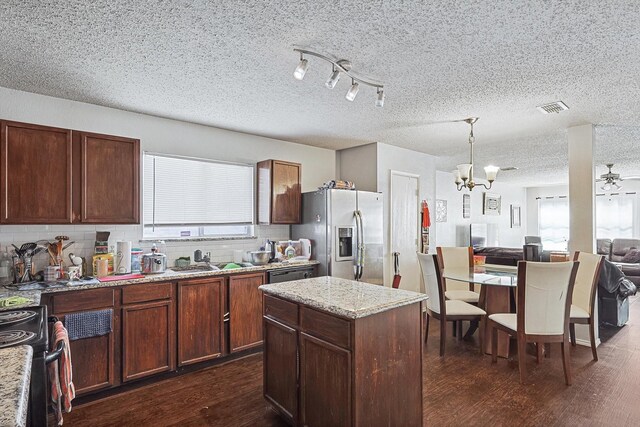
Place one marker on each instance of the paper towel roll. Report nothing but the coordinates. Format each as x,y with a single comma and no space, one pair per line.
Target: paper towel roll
123,258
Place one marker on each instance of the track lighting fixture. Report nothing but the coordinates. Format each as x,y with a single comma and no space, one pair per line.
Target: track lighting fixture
380,100
353,91
335,76
301,69
339,67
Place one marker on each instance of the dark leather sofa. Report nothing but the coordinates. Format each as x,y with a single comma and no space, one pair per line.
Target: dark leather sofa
618,251
510,256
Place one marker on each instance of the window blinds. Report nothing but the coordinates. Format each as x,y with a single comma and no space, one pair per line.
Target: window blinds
185,191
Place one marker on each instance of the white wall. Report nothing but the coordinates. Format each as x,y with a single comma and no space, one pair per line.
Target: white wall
360,165
165,136
455,231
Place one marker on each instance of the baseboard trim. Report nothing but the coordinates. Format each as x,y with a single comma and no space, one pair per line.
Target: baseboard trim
587,343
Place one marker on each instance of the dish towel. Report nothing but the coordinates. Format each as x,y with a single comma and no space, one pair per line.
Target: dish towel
62,389
88,324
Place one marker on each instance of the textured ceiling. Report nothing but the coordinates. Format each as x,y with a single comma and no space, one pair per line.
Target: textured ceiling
229,64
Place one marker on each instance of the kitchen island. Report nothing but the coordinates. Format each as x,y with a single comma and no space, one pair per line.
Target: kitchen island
15,368
343,353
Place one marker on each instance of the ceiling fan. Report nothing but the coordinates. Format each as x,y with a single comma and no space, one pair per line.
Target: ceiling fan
611,179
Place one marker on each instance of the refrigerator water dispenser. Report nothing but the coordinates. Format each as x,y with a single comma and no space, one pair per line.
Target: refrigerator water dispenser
345,243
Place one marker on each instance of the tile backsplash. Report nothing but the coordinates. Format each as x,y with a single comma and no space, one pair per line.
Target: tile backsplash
84,237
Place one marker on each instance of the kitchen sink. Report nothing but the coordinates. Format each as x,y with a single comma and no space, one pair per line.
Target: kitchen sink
199,268
194,268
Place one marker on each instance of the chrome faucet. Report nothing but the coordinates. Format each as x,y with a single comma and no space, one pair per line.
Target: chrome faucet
197,257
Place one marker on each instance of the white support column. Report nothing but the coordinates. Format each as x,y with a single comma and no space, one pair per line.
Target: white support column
582,231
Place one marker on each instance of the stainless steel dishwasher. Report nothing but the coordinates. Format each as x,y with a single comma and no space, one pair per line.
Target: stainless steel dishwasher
286,274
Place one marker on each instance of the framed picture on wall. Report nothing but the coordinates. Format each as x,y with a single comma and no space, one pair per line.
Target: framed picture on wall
492,204
466,206
441,211
516,220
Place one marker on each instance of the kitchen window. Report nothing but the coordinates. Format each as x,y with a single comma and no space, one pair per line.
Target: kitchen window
188,197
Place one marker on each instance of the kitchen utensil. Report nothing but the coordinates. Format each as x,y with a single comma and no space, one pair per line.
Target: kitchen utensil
260,257
154,262
396,270
27,247
67,245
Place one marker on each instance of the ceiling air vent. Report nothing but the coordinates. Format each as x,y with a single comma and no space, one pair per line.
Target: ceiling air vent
553,107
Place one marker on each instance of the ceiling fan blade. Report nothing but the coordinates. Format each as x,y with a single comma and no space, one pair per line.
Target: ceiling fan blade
417,124
630,178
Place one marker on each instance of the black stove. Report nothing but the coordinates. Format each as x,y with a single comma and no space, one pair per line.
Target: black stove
26,326
29,327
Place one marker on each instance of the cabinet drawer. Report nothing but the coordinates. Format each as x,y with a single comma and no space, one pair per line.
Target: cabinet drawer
146,292
83,300
332,329
285,311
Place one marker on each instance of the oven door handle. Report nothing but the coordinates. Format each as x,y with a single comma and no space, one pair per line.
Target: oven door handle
55,354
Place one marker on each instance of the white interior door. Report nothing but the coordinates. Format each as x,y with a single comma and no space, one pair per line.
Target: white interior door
404,230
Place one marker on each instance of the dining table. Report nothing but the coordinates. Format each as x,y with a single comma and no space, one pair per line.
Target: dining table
497,295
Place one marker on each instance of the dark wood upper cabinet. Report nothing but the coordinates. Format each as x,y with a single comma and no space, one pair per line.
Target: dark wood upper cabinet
35,174
279,192
109,179
200,319
60,176
245,311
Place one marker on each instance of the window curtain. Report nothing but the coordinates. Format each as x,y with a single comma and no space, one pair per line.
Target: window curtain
615,216
553,223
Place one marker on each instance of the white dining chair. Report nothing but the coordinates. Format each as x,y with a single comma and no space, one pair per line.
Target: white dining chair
457,258
542,310
584,296
441,309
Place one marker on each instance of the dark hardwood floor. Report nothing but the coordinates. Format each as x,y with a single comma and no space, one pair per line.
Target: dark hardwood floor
463,389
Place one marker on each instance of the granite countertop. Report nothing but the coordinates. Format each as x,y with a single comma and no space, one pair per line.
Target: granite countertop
32,296
15,370
171,275
346,298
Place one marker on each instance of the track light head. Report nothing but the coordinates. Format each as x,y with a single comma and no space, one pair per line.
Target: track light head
380,100
335,76
301,69
353,91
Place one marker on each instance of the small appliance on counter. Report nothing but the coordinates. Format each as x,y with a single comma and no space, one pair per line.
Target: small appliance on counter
154,262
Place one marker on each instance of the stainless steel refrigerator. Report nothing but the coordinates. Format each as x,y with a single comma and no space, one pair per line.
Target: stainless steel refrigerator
346,232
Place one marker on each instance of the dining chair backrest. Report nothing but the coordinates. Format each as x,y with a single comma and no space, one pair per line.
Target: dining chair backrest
544,296
432,282
586,280
455,258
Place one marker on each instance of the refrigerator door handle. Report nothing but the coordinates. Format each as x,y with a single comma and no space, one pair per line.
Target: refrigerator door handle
356,262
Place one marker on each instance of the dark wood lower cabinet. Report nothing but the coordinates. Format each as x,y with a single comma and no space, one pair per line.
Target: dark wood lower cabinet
351,372
147,339
280,368
93,367
245,311
325,383
200,320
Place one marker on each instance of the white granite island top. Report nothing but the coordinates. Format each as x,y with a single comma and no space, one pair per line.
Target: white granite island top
346,298
15,371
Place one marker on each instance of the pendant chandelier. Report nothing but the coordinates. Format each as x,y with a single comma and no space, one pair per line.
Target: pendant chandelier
464,174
